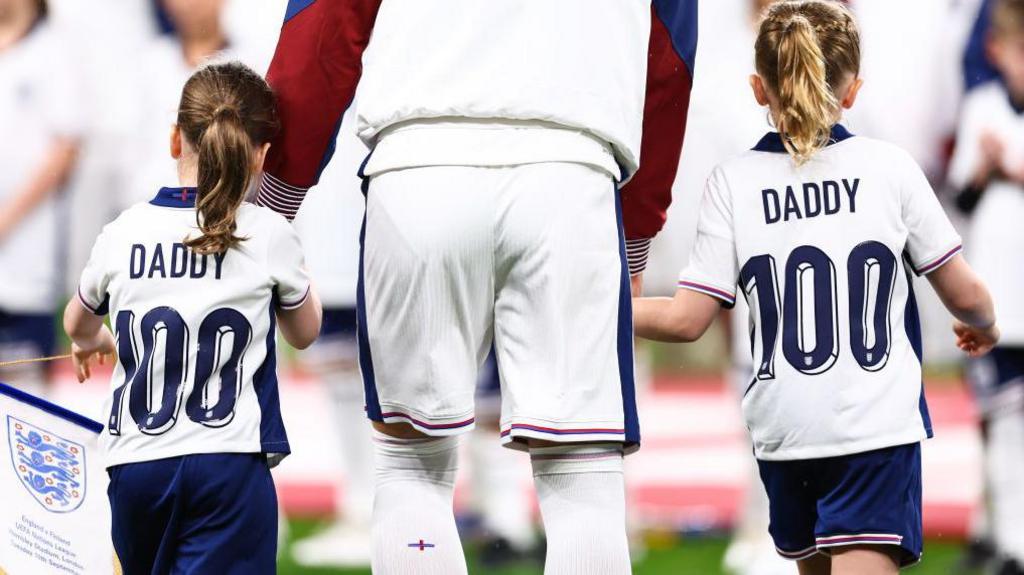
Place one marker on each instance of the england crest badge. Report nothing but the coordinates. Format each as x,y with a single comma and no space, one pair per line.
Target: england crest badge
50,467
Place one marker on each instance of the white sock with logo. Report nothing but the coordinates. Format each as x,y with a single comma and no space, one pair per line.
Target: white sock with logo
413,521
582,498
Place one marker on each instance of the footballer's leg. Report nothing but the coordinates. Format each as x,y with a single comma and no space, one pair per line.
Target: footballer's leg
425,300
563,332
1005,471
413,521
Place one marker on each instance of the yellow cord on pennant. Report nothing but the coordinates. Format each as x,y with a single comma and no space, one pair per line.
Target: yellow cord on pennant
34,360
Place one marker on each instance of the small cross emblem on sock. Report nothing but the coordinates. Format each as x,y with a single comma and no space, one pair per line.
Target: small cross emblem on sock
422,546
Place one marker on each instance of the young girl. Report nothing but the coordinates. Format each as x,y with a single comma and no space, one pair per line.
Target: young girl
40,129
195,281
821,229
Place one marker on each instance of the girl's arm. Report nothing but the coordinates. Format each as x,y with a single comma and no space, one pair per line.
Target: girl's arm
89,336
967,298
682,318
300,326
53,172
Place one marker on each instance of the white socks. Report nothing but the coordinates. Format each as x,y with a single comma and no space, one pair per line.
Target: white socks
583,501
413,521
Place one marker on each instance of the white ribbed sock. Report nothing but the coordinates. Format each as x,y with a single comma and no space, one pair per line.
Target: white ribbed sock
413,522
583,501
498,473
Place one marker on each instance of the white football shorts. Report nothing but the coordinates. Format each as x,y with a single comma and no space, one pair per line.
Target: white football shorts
528,256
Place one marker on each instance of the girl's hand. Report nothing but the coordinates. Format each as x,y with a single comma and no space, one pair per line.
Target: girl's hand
103,346
973,341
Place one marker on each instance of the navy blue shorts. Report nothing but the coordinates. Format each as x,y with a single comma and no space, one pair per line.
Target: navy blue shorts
31,335
871,498
208,513
991,375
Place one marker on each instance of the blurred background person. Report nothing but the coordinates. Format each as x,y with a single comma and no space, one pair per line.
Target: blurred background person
988,170
192,34
497,477
41,125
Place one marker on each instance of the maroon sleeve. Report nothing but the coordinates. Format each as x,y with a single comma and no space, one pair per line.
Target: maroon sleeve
645,199
314,75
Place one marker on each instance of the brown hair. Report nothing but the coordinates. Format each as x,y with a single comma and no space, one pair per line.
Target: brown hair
1007,17
227,112
804,50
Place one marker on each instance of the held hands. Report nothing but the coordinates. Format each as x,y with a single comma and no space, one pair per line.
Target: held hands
973,341
102,346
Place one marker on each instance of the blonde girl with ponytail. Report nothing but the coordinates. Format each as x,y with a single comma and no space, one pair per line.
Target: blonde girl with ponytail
820,231
196,282
807,57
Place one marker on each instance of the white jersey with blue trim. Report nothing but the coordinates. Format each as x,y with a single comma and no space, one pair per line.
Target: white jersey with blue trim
195,333
995,235
823,252
39,104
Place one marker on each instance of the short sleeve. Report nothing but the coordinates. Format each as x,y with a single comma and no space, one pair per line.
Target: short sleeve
95,279
931,238
713,267
287,267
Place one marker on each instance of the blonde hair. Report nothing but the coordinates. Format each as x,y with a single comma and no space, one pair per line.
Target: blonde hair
804,50
227,112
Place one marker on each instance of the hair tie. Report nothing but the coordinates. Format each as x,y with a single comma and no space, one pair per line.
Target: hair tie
226,111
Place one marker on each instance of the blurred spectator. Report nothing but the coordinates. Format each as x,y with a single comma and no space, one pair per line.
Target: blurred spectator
195,36
988,169
41,127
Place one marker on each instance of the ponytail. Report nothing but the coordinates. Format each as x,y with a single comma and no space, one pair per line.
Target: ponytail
805,50
225,172
807,107
227,112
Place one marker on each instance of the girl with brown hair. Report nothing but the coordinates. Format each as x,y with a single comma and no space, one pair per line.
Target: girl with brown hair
195,282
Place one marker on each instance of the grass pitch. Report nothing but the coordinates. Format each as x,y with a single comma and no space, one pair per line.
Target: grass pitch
693,556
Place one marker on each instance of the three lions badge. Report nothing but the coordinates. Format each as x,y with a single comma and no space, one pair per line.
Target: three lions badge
50,467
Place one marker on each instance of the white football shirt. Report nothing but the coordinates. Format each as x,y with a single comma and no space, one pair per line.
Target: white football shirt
995,236
195,334
822,253
39,102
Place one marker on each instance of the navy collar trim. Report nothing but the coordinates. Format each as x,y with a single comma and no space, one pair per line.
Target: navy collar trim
175,198
772,141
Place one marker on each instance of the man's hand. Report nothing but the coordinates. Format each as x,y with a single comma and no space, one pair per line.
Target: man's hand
102,346
975,342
